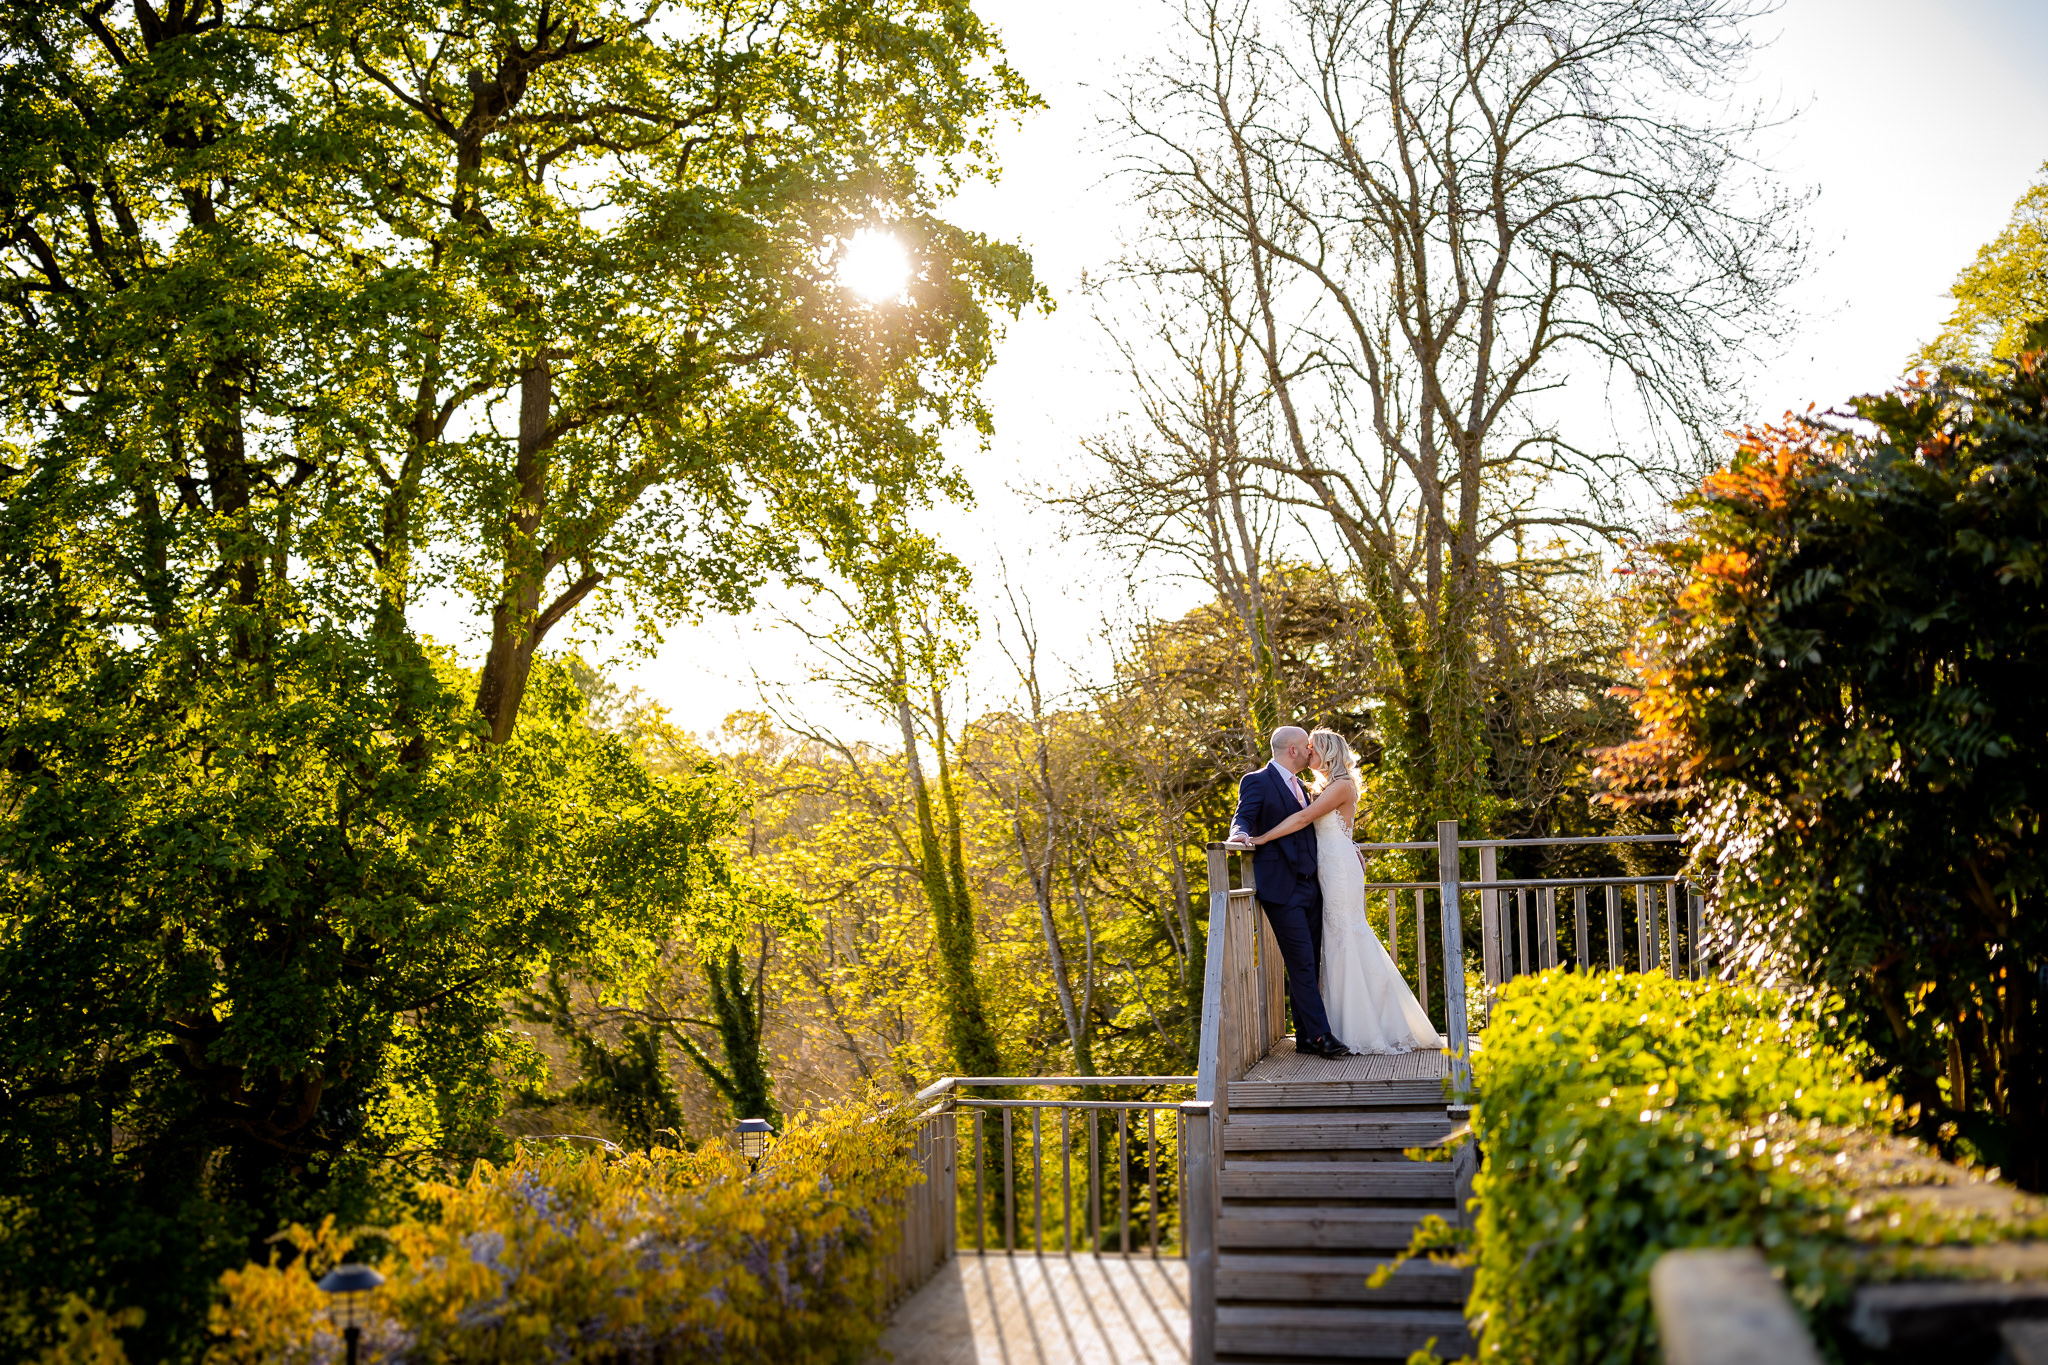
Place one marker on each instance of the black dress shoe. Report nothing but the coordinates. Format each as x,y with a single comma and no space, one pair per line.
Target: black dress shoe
1326,1047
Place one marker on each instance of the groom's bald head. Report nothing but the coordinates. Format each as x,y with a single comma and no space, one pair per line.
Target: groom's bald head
1290,743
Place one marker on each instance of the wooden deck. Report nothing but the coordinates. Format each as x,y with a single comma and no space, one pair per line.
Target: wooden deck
1044,1310
1283,1063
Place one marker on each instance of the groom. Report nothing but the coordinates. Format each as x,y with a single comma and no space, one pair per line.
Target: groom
1288,887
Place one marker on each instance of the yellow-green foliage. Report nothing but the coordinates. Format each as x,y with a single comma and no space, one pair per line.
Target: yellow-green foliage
1621,1115
569,1255
89,1336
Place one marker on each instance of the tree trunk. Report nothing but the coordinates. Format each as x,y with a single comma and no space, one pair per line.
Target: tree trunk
515,618
969,1037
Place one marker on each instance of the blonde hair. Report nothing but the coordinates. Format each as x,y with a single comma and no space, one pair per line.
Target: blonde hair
1334,758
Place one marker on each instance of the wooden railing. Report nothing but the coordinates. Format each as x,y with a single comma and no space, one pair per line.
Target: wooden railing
1244,996
1061,1175
929,1215
1519,917
1246,990
1244,1013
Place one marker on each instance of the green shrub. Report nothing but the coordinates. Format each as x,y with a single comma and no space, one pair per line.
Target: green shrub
1841,674
1622,1115
566,1256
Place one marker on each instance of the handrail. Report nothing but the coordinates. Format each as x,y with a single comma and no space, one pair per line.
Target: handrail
1553,841
1548,841
1209,1055
1069,1104
928,1218
1512,883
1027,1082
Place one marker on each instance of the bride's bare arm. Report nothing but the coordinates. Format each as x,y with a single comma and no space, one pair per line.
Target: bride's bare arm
1332,796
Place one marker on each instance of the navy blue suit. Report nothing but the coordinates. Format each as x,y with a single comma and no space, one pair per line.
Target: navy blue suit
1289,892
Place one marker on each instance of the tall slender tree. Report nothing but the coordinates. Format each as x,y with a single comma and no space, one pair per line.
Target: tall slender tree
1420,218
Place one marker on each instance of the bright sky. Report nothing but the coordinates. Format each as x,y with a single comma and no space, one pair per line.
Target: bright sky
1923,121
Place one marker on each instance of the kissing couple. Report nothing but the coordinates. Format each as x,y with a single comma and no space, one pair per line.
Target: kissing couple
1311,884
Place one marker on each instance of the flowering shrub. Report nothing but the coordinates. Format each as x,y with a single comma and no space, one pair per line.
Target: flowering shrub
567,1255
1622,1115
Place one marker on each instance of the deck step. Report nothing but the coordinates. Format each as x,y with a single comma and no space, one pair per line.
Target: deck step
1352,1094
1320,1131
1317,1229
1402,1179
1337,1279
1333,1333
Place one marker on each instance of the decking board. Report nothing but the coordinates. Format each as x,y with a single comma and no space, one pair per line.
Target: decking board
1339,1333
1337,1180
1335,1279
1283,1063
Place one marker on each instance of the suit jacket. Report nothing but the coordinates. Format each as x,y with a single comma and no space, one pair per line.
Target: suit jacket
1286,867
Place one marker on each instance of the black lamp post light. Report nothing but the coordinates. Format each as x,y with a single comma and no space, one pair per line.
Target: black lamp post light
350,1285
754,1134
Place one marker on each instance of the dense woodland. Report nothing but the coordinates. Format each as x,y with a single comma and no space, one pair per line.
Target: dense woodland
1081,822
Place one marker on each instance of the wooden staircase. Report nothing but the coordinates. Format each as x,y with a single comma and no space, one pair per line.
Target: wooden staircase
1316,1194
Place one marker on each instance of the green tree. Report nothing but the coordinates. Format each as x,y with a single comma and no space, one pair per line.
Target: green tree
1379,235
738,1014
629,1084
1843,678
622,365
311,310
2000,293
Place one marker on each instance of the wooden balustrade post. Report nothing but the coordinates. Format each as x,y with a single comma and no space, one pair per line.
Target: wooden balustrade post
1199,1119
1490,954
949,1189
1699,959
1454,952
1421,956
1394,928
1671,928
1525,933
1211,1086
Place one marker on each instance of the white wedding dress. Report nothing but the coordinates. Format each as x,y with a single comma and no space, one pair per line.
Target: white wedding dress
1371,1008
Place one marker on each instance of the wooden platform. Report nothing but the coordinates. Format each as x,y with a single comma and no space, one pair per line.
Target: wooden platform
1283,1063
1044,1310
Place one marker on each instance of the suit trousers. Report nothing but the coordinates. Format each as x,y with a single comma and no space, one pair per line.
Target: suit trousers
1298,925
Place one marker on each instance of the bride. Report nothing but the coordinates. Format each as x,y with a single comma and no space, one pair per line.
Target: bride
1371,1008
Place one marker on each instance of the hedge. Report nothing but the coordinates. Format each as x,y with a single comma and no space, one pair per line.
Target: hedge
1621,1115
